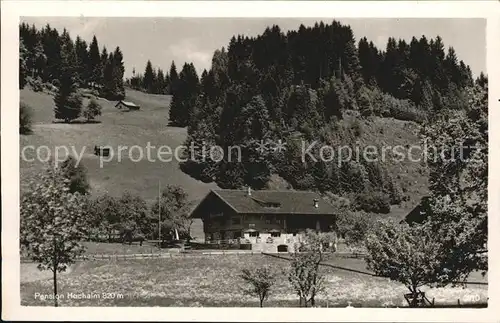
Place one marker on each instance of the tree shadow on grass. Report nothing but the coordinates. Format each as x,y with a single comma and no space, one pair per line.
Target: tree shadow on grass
25,132
174,125
77,122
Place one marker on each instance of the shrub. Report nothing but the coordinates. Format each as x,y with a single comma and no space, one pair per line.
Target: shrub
371,201
37,85
402,109
92,110
25,118
50,87
365,101
76,174
354,226
357,128
371,102
394,191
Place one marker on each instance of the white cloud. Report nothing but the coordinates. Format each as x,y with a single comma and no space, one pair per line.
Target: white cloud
187,51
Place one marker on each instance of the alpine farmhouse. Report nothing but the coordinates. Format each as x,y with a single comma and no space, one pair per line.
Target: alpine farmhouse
271,221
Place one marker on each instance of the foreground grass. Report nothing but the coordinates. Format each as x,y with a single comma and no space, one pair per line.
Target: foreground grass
97,248
214,281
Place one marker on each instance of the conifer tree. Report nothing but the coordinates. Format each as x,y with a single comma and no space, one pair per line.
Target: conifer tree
184,99
82,57
118,91
482,80
23,69
148,79
39,59
350,63
68,102
107,78
94,61
104,62
113,88
173,78
160,82
51,42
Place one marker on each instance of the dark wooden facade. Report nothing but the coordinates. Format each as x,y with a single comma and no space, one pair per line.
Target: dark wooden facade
223,221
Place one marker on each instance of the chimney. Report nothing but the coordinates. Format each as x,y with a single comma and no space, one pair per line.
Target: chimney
316,205
249,191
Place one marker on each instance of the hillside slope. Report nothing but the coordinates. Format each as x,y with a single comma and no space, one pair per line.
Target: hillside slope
392,135
149,125
117,129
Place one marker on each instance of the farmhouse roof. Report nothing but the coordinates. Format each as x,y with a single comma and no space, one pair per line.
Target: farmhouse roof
267,201
127,104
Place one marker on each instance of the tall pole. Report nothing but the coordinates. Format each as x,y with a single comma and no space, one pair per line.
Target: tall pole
159,215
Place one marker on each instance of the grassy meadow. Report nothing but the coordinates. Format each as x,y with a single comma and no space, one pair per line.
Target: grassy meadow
214,281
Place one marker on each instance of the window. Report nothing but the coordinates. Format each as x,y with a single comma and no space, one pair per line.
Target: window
236,221
275,234
268,220
254,234
272,205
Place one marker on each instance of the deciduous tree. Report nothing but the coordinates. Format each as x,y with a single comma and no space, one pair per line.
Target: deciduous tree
459,186
52,223
304,273
260,280
407,254
173,201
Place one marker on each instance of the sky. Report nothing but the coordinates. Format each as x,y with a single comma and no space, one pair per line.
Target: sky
163,40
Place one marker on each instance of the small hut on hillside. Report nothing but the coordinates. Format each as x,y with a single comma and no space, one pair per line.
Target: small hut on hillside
127,105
